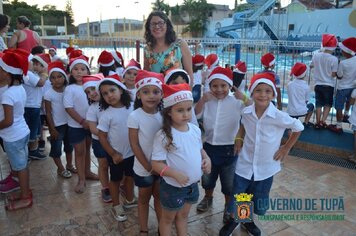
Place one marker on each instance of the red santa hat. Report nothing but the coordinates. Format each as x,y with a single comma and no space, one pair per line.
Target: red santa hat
240,67
91,80
145,78
105,59
15,61
329,42
349,46
221,73
266,78
43,58
58,67
173,94
69,50
118,57
268,60
75,53
115,78
78,60
211,60
198,60
172,71
52,48
299,70
132,65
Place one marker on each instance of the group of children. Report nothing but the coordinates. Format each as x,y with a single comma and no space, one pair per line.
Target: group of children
143,129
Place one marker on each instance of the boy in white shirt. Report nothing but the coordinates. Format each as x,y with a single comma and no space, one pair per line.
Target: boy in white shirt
352,121
260,134
346,75
325,68
299,94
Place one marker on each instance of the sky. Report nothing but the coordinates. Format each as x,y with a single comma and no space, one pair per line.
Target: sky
112,9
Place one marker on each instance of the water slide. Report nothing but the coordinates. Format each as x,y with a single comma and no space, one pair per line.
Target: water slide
248,19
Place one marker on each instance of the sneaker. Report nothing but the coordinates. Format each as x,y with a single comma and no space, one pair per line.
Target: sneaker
226,216
105,195
251,228
8,178
205,204
131,204
229,227
41,145
118,213
335,129
9,186
36,155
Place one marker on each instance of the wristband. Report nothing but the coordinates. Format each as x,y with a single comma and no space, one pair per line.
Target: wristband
163,170
245,99
238,138
81,122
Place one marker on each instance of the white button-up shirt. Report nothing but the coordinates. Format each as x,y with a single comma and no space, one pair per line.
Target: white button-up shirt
221,119
298,95
262,140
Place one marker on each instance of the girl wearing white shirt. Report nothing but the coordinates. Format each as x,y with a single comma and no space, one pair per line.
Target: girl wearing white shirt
179,158
113,135
76,104
143,123
57,119
129,75
13,128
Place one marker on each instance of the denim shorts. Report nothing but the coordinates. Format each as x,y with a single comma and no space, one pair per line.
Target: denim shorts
342,96
196,92
17,153
56,145
223,162
145,181
77,135
323,95
310,107
117,171
98,150
33,119
173,198
259,189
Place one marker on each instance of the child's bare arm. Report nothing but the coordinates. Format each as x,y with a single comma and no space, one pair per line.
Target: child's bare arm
116,156
52,129
77,117
284,149
239,140
206,162
8,116
164,170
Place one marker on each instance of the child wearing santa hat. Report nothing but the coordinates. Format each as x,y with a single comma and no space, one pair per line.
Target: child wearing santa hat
13,128
211,61
57,119
106,63
76,105
179,158
324,66
346,75
221,114
268,61
129,75
262,128
116,104
143,124
198,64
299,94
239,73
52,51
118,62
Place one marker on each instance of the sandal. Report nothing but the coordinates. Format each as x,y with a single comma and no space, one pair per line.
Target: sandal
65,174
19,204
92,176
72,169
317,126
16,196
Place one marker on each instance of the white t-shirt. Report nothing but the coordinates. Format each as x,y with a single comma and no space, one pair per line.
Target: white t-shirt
114,122
347,70
185,157
352,118
147,125
15,96
324,64
221,119
59,114
93,115
197,77
33,93
47,86
75,97
2,90
298,95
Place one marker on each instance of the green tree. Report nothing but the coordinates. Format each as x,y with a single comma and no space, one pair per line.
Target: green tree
70,17
160,5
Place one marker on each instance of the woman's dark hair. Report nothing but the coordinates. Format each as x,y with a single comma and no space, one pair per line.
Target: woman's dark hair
14,77
24,20
175,75
72,79
37,50
196,68
125,96
106,69
170,33
167,128
4,21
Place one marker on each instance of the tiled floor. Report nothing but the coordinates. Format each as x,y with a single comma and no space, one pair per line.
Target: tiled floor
58,210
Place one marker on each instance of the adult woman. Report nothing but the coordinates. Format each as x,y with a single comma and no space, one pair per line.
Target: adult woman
24,38
163,50
4,27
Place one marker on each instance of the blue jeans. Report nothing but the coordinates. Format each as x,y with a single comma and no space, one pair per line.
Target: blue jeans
33,119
